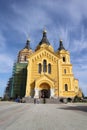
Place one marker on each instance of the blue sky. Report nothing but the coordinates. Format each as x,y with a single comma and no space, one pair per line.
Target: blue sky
63,19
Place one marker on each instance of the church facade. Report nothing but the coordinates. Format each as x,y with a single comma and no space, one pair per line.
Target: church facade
49,72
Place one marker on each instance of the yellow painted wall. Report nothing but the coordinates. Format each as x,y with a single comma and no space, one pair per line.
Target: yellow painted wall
58,77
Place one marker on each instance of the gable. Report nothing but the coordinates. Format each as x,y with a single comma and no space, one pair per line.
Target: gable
46,79
44,54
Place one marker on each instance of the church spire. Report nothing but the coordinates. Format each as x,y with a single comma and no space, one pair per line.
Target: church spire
27,46
44,38
61,47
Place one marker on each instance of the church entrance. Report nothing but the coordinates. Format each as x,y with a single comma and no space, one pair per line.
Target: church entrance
45,93
44,90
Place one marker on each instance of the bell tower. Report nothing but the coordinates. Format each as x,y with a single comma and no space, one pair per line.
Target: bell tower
24,53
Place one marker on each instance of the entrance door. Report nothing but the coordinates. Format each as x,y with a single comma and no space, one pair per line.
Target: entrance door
45,93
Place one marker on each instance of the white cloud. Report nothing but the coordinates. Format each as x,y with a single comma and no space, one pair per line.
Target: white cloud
2,87
29,19
83,86
2,42
80,73
6,63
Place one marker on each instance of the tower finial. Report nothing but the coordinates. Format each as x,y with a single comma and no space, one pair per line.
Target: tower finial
44,33
27,44
44,38
61,47
28,40
61,40
44,30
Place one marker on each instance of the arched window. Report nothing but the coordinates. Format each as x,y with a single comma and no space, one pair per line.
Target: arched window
25,58
22,58
44,66
64,71
64,59
49,68
39,68
66,87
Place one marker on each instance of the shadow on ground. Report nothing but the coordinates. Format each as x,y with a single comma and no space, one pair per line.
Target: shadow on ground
75,108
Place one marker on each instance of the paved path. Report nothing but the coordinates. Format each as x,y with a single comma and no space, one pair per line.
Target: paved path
17,116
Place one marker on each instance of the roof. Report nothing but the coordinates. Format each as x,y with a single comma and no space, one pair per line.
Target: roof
44,39
27,46
61,47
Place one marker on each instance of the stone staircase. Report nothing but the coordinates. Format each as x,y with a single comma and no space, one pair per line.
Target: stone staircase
41,100
52,101
27,100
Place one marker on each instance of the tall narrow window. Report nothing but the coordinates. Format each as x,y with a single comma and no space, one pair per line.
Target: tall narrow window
64,59
49,68
64,71
39,68
25,58
66,87
44,66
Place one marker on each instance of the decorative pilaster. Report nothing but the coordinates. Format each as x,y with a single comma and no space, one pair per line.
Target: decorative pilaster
36,93
52,92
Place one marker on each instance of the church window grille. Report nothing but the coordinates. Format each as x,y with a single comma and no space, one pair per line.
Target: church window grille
66,87
64,59
39,68
64,71
49,68
44,66
25,58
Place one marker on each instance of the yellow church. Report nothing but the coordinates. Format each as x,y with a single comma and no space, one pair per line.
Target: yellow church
49,73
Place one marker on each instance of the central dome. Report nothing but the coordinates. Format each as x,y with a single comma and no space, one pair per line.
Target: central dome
44,39
44,43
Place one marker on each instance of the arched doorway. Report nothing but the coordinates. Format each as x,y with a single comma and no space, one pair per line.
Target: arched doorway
44,90
45,93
